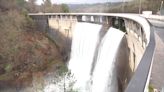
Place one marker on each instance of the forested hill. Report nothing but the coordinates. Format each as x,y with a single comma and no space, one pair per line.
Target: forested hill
98,7
133,7
119,7
31,6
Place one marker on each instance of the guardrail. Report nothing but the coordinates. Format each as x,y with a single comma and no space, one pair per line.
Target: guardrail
140,79
142,21
154,17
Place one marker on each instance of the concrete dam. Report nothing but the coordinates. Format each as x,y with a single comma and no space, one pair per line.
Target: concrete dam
105,52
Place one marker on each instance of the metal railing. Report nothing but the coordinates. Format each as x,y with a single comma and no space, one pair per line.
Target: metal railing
140,79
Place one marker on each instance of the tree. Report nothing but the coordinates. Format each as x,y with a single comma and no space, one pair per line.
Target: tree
65,8
31,6
57,8
47,6
7,5
48,3
21,3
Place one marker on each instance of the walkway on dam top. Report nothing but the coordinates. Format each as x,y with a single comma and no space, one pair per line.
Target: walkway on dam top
157,75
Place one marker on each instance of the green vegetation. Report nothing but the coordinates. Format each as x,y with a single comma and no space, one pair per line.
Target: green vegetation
65,8
24,51
151,88
8,67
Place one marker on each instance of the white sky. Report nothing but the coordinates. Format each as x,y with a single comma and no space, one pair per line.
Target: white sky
80,1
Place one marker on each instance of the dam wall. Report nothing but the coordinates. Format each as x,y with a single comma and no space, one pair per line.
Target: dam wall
132,49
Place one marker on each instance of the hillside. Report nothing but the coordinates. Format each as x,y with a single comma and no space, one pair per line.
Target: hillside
133,7
98,7
25,52
128,7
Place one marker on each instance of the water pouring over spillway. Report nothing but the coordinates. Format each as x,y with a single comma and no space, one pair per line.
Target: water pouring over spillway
84,43
85,39
104,75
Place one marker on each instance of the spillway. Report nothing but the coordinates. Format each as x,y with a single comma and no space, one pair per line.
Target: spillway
84,42
104,75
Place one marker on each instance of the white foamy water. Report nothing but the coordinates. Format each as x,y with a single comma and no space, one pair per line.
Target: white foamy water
104,75
85,38
58,83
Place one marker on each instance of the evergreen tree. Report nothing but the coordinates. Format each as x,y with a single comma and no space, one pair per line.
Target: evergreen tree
65,8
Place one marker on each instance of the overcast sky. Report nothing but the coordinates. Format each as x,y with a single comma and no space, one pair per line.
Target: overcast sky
80,1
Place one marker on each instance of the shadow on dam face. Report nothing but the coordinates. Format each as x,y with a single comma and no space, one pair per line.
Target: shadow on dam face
63,42
122,65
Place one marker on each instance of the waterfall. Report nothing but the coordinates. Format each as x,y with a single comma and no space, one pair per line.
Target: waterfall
104,75
84,42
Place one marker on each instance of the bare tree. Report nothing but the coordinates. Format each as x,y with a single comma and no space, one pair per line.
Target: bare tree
31,6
